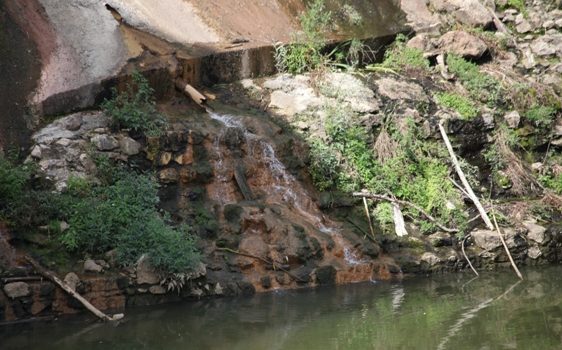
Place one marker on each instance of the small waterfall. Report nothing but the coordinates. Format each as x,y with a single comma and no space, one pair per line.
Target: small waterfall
283,188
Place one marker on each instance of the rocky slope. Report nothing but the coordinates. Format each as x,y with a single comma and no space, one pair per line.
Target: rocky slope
241,175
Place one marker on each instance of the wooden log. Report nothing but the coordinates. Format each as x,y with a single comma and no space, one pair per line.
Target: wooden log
242,183
51,276
191,92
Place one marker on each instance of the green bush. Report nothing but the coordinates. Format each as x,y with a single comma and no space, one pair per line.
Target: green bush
481,86
541,116
135,108
400,57
464,106
13,179
306,52
123,216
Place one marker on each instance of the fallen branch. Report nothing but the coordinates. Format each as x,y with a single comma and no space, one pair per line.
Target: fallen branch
266,261
466,257
405,203
506,248
368,216
51,276
464,181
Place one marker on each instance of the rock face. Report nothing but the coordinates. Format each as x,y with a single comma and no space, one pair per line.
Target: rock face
401,90
91,266
463,44
16,290
145,272
469,12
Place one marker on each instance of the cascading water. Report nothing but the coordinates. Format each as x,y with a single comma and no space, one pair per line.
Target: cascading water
283,188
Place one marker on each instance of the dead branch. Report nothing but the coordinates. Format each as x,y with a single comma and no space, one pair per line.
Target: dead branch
506,248
466,257
51,276
276,265
368,217
405,203
463,179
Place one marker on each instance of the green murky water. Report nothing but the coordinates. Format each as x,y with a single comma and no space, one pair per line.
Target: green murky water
446,312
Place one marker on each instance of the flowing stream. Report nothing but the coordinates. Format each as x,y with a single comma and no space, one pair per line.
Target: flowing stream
457,311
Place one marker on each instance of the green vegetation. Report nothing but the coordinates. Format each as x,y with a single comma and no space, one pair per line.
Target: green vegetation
120,213
464,106
481,86
553,182
135,108
519,5
306,53
411,169
13,179
541,116
401,57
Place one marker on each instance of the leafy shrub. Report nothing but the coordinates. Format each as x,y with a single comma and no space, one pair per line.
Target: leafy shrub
135,107
464,106
123,215
481,86
324,165
541,116
400,57
13,179
554,182
298,58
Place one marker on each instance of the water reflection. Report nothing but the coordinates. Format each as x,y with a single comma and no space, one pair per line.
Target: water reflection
492,312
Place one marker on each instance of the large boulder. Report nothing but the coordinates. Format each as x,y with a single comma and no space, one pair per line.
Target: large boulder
17,290
146,274
469,12
463,44
401,90
535,232
489,240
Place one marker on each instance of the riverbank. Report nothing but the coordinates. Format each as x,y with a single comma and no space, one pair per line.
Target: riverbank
265,178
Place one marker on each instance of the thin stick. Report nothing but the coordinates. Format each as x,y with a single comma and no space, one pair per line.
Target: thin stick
51,276
368,216
466,257
268,262
464,181
506,248
401,202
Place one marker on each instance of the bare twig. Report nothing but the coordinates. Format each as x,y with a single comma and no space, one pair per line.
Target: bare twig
466,257
405,203
275,265
506,248
368,216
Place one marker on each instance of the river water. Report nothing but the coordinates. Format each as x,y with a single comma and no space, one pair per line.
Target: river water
494,311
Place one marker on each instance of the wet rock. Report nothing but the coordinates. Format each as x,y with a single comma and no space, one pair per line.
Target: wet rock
129,146
469,12
157,290
72,280
17,290
265,282
490,240
105,142
535,232
218,289
512,119
401,90
326,275
463,44
534,252
146,274
169,175
91,266
440,239
429,260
